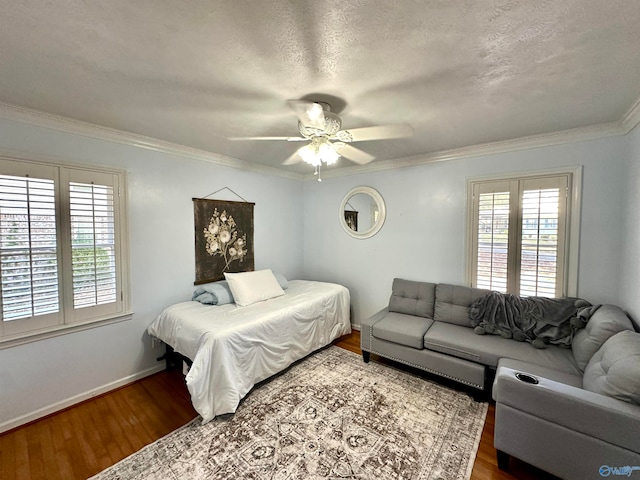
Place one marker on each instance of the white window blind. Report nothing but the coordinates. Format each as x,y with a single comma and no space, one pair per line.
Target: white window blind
61,247
519,242
539,239
493,240
92,244
28,249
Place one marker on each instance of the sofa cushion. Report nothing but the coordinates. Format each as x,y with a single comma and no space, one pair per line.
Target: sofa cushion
404,329
602,325
614,370
461,342
453,301
412,298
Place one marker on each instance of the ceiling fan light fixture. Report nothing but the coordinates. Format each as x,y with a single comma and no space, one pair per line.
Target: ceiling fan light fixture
327,142
319,151
309,155
328,154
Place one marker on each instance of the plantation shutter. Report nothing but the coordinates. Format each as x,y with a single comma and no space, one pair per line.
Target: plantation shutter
29,251
92,244
94,280
491,242
519,229
543,207
63,249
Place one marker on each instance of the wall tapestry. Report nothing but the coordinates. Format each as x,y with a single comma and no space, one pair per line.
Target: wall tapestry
224,238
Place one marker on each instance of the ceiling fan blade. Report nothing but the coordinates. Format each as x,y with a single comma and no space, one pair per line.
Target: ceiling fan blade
354,154
288,139
293,159
310,114
381,132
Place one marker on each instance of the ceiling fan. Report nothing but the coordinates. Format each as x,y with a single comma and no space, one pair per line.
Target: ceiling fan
327,142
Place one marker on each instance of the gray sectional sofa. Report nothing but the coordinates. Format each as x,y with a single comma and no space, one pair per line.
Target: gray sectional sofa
574,412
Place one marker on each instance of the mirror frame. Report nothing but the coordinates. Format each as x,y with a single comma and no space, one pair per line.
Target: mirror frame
382,215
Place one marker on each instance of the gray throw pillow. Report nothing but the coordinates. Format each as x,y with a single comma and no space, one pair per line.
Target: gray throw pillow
614,370
602,325
282,280
216,293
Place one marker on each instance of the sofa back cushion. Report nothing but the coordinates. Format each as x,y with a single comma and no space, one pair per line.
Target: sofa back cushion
605,322
614,370
412,298
453,301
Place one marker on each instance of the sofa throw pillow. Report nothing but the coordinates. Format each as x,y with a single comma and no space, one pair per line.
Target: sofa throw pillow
216,293
252,287
614,370
604,323
412,298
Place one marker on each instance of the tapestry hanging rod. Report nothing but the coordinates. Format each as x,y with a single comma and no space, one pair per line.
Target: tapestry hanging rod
227,188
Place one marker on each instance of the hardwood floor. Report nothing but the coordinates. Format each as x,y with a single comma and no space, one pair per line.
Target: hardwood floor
78,442
82,440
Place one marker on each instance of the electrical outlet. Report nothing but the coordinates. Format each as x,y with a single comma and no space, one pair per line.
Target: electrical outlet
155,343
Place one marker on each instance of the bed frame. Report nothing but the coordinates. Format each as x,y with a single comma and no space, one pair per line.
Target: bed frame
172,358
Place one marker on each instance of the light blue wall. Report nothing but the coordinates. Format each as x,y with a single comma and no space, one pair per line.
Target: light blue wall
297,231
161,186
630,271
424,235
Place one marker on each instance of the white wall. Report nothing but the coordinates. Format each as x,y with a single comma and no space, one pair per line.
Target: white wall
630,270
53,371
424,234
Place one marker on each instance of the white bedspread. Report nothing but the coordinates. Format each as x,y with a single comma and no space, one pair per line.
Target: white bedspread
233,347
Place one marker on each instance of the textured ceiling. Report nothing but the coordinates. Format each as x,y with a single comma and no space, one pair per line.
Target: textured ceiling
459,72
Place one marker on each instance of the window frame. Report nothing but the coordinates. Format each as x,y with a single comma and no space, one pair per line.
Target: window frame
572,243
69,321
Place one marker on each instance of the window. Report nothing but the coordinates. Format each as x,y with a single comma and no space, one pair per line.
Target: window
520,231
62,247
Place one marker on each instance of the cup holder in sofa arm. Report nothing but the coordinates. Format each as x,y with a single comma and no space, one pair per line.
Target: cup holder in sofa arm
526,378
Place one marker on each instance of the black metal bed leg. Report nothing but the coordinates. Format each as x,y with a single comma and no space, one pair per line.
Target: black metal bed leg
167,357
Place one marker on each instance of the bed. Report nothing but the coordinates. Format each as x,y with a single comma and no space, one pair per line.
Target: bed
233,348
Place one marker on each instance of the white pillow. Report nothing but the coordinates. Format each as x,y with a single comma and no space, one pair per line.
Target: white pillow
252,287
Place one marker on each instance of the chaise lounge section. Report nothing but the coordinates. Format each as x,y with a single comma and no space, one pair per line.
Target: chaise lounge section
569,411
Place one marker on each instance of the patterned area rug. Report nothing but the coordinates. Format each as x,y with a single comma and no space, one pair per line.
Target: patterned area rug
330,416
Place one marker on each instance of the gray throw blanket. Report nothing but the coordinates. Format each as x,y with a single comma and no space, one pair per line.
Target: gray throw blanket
537,320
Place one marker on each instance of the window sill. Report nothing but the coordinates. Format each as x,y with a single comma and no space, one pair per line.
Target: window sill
28,337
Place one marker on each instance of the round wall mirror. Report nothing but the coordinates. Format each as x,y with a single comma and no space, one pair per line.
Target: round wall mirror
362,212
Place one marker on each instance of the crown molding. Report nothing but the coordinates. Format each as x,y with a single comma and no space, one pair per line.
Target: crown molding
503,146
631,119
68,125
85,129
